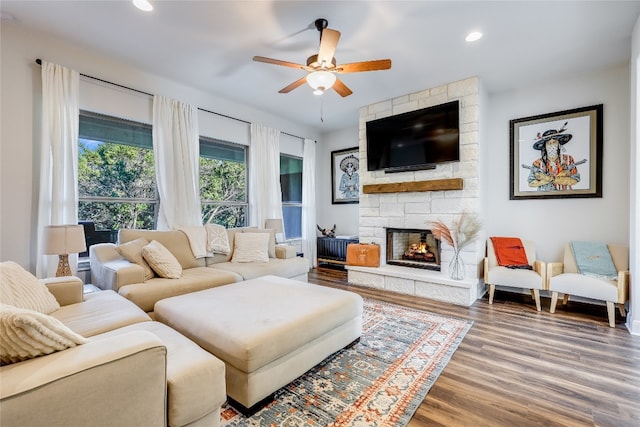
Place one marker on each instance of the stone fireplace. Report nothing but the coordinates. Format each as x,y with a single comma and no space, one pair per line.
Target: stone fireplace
412,247
408,201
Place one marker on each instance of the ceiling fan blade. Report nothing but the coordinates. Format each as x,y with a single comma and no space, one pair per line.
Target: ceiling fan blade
328,44
293,85
356,67
279,62
341,88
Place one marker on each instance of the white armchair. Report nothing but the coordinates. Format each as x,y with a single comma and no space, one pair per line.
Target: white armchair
564,278
534,279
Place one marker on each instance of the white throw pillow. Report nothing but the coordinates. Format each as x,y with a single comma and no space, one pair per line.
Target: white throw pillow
251,247
20,288
217,239
25,334
132,252
162,260
272,238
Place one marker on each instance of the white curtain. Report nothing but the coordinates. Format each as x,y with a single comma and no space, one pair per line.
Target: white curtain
58,198
265,194
176,148
309,202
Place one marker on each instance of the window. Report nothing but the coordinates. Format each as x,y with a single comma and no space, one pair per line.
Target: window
223,183
291,184
116,177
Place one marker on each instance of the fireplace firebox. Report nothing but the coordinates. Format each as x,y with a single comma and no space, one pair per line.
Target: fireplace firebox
413,248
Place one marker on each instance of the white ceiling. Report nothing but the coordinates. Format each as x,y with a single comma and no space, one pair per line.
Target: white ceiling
209,44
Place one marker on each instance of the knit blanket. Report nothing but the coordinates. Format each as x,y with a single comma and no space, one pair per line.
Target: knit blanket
510,252
594,259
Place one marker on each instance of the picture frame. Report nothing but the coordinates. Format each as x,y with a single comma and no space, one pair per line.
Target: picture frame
557,155
345,178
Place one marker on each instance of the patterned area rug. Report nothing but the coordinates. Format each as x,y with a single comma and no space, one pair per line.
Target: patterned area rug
380,381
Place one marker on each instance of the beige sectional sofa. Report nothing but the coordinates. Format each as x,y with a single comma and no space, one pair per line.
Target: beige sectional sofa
132,371
111,271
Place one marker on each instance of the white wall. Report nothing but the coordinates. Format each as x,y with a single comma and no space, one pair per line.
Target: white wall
553,222
20,117
345,216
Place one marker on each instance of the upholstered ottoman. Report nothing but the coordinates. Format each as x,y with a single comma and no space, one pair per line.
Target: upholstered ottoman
268,331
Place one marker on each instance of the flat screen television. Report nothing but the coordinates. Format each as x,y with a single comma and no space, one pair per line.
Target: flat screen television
415,140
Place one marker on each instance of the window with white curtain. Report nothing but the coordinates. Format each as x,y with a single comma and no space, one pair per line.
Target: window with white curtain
291,185
116,177
223,183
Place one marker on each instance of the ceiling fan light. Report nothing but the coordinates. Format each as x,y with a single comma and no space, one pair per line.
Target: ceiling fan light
144,5
321,81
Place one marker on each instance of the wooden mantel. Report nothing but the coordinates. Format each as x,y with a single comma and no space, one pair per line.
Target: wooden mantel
411,186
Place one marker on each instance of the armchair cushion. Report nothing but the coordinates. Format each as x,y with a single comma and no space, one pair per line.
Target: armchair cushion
21,289
25,334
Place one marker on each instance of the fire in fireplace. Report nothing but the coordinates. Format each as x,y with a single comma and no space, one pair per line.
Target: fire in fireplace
413,248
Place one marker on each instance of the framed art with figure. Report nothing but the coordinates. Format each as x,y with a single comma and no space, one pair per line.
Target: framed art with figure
557,155
345,180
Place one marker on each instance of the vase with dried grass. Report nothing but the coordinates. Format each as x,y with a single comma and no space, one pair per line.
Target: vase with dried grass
464,231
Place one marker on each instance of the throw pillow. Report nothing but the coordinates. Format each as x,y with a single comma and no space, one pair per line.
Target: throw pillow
251,247
162,260
25,334
20,288
272,238
132,252
217,239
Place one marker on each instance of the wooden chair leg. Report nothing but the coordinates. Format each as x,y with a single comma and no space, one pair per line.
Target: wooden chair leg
533,294
611,311
623,312
554,301
565,299
492,290
536,296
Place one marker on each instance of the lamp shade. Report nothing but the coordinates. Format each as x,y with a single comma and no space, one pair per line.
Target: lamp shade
321,81
275,224
64,239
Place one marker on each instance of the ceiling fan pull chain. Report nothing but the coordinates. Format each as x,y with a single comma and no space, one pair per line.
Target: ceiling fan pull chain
321,110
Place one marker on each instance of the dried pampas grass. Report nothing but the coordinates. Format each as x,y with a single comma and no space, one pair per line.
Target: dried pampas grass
464,231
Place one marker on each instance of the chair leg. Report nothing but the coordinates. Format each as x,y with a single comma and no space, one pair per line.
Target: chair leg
492,290
533,294
536,296
565,299
623,312
554,301
611,311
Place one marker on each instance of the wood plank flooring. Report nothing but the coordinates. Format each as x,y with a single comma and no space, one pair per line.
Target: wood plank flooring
518,367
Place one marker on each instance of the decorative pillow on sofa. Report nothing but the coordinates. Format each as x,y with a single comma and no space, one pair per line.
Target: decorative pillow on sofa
162,260
251,247
217,239
20,288
272,238
25,334
132,252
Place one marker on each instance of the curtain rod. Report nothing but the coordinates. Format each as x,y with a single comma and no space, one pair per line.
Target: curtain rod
39,62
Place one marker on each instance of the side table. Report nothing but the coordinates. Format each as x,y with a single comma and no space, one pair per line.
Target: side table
89,288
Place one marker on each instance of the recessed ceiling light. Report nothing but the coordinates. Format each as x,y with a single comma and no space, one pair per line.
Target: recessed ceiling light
143,5
474,36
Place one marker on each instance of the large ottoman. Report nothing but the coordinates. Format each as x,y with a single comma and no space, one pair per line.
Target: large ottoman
268,331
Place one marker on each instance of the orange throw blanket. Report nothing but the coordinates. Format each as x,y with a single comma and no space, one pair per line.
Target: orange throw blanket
510,252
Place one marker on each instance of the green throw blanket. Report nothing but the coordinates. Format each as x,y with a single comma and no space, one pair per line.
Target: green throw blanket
594,259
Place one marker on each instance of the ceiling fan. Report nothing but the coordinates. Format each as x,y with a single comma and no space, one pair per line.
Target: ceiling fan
322,68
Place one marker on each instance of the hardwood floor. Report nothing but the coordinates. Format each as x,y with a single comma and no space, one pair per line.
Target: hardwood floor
518,367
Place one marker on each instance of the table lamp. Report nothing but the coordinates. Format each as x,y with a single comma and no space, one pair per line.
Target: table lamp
63,240
276,225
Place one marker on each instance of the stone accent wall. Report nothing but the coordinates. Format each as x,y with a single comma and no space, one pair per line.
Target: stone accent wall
416,209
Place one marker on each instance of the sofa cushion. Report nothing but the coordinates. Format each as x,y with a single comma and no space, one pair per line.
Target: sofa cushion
145,295
132,252
270,232
161,260
25,334
174,240
195,378
251,247
100,312
288,268
20,288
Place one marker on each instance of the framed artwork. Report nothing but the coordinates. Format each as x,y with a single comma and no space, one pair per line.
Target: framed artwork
345,180
557,155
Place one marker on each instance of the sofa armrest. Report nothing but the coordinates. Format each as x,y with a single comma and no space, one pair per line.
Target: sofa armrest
285,251
623,286
110,271
67,289
85,385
